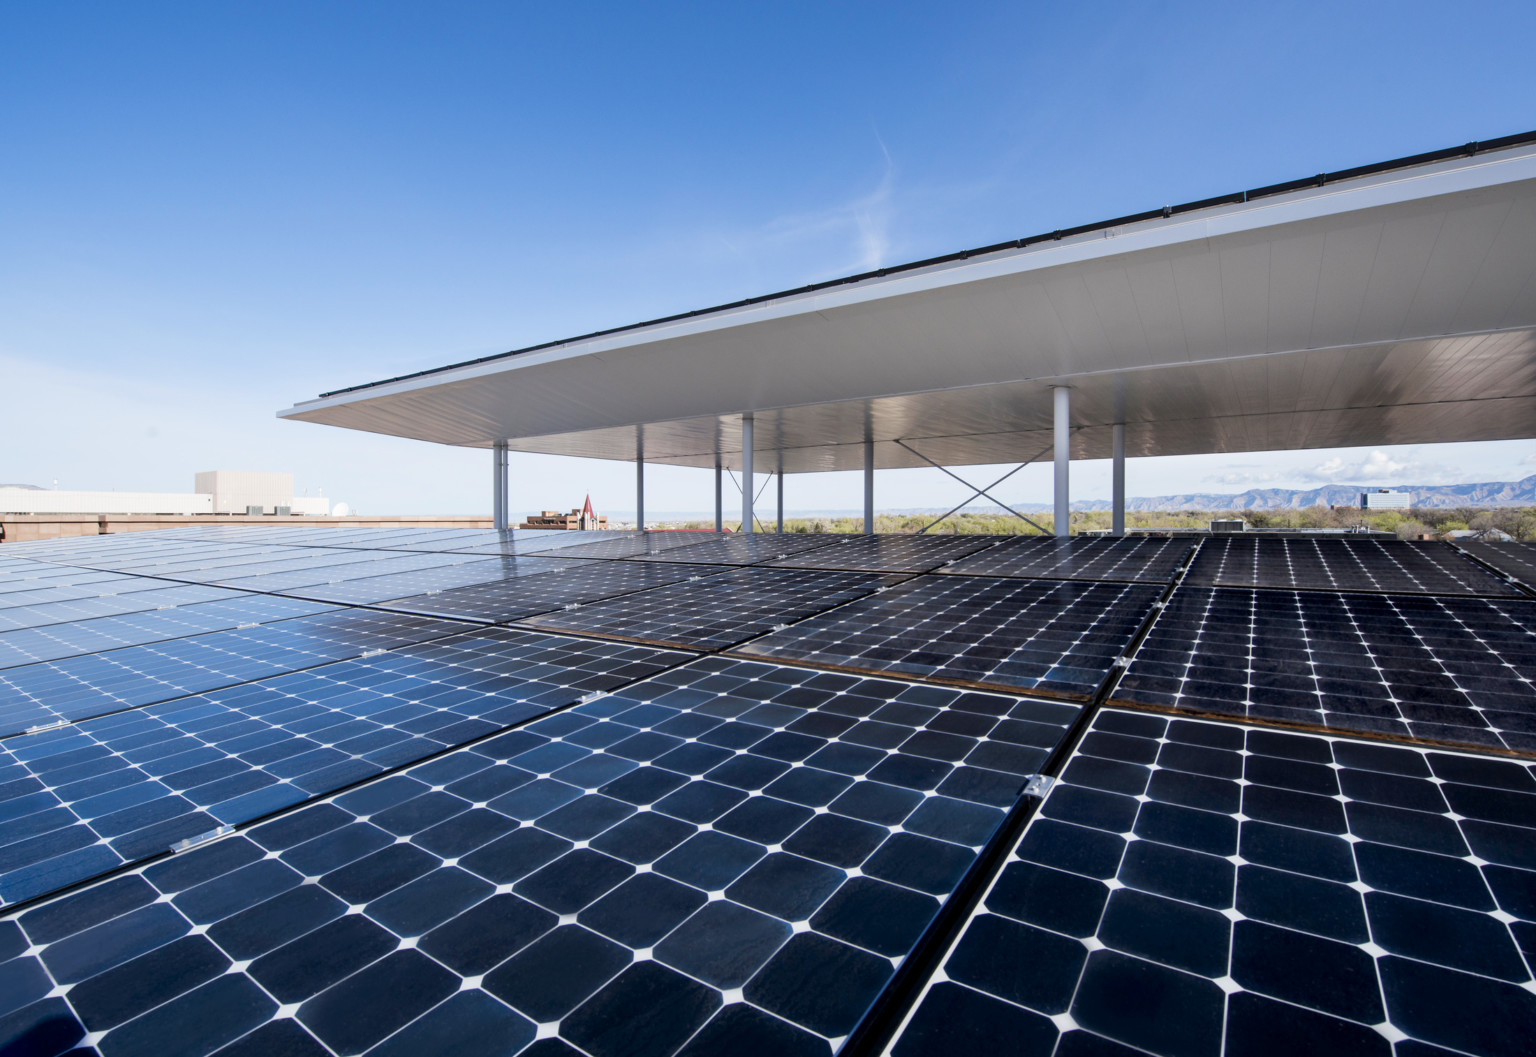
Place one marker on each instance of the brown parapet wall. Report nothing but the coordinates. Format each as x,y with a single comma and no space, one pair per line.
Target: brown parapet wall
17,528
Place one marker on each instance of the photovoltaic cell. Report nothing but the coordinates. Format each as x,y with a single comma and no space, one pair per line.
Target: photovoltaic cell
87,798
1390,566
718,611
887,554
716,860
1134,559
1195,889
526,596
56,641
1445,669
95,684
1052,637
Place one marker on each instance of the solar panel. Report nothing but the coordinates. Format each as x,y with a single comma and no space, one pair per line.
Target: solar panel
1051,637
381,564
1517,560
95,684
56,641
743,548
1199,888
465,571
619,545
1137,559
531,542
708,861
87,798
1444,669
526,596
1391,566
888,554
161,595
718,611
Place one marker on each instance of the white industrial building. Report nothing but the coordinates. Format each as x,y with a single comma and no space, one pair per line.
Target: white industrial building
214,492
1385,499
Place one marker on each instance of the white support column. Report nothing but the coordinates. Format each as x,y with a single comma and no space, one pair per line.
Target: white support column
746,472
1117,482
719,497
781,493
639,486
869,485
499,485
1063,460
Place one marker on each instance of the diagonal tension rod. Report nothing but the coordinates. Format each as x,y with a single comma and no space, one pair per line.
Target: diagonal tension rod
979,491
764,487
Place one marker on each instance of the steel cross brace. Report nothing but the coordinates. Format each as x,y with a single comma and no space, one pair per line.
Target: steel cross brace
978,491
763,488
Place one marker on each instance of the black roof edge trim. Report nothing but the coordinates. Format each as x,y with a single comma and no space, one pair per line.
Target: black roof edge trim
1466,150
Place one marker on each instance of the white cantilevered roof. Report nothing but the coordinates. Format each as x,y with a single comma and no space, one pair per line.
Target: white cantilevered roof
1393,306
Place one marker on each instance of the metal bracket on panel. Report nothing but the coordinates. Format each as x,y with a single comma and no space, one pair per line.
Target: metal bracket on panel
372,653
164,607
55,725
201,839
242,627
1122,662
570,606
778,627
595,695
1038,785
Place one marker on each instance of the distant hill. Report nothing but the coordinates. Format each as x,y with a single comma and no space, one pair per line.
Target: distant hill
1487,494
28,487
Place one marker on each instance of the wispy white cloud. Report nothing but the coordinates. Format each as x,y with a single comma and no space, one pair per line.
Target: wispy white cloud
1379,467
1249,477
862,224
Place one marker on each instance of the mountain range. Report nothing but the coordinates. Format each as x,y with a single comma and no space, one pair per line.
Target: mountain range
1486,494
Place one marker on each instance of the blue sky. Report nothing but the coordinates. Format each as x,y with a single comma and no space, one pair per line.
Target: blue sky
211,211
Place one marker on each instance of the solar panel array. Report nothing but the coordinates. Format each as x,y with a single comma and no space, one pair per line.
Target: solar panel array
267,790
